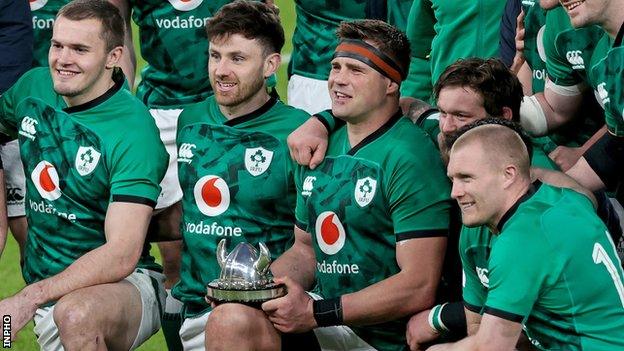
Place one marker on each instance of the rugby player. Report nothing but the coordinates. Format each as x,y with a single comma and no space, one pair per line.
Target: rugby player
233,164
371,222
94,161
570,294
314,41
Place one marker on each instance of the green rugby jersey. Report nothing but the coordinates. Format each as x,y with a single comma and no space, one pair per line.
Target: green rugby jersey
568,50
534,26
568,56
77,160
607,74
361,201
43,15
441,32
314,39
553,267
237,182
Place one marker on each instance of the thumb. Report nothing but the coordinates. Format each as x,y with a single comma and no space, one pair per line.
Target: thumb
318,155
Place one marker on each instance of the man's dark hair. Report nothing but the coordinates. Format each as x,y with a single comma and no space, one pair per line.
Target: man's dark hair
490,78
112,23
489,121
252,20
386,38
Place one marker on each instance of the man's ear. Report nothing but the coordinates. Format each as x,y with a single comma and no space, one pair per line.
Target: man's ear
271,64
511,174
114,56
507,113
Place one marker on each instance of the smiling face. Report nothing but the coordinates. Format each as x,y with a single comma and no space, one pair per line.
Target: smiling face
237,69
586,12
80,65
459,106
478,185
356,89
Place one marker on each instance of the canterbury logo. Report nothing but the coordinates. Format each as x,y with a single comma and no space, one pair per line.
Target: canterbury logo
185,153
575,58
28,127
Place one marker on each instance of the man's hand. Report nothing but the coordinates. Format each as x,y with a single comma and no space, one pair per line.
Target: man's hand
21,308
308,143
292,313
565,157
519,59
419,331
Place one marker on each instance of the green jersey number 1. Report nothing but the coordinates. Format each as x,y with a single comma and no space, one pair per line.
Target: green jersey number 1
600,257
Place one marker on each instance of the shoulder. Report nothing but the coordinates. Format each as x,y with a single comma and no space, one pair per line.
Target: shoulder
195,112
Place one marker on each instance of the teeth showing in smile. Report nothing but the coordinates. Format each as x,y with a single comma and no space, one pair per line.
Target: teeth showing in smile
341,95
571,6
65,73
466,205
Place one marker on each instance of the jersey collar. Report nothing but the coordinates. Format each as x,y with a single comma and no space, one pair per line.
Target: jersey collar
510,212
118,79
376,134
254,114
618,37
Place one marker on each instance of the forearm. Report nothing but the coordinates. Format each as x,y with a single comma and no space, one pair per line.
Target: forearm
92,268
298,262
392,298
591,141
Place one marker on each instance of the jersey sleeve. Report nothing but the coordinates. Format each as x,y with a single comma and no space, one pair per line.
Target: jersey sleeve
420,32
613,68
418,193
473,292
558,68
518,271
8,105
138,164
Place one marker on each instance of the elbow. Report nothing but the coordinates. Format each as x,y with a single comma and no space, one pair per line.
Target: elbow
421,298
125,265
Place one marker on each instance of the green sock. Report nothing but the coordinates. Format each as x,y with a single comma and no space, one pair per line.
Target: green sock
172,322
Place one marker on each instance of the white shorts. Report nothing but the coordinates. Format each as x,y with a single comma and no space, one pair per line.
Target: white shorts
193,332
167,123
152,290
13,178
308,94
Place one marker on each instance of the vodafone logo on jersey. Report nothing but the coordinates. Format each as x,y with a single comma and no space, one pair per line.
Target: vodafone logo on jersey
185,5
46,180
212,195
37,4
330,233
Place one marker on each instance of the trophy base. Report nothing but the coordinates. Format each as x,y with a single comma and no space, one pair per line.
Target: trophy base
271,291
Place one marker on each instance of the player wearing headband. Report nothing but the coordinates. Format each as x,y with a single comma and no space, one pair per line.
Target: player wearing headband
371,222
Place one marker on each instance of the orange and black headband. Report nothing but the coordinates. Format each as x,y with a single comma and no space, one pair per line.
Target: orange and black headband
370,55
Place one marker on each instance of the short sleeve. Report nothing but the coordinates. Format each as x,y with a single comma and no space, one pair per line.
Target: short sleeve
518,270
418,193
137,166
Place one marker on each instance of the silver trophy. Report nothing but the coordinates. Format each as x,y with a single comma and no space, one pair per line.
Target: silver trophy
245,275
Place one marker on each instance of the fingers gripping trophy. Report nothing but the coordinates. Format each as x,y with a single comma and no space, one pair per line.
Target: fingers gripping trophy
245,276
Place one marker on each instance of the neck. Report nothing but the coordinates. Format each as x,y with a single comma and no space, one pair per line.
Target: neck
98,89
515,194
614,16
360,128
246,107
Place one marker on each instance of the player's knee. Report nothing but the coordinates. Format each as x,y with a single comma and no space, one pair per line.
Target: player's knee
72,313
231,318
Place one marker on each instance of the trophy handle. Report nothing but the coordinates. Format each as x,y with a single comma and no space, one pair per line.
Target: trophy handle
221,254
264,260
